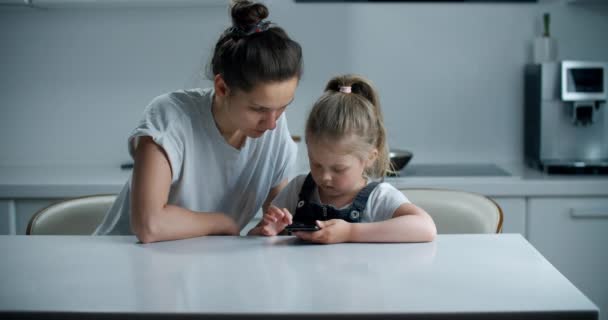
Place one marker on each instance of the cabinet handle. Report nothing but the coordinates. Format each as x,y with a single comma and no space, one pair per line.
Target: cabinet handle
589,213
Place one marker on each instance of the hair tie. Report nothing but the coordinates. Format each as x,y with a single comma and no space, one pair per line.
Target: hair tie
345,89
251,29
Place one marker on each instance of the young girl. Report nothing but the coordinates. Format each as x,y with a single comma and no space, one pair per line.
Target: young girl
347,150
206,160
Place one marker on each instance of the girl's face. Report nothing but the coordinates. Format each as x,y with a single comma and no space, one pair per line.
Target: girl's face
257,111
336,171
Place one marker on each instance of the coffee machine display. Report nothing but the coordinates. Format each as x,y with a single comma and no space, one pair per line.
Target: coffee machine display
566,121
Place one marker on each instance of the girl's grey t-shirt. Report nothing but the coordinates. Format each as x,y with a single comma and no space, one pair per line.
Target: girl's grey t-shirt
209,175
381,204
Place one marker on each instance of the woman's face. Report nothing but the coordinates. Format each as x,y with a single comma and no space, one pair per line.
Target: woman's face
257,111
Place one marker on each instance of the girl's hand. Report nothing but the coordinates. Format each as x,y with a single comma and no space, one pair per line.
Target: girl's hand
332,231
274,221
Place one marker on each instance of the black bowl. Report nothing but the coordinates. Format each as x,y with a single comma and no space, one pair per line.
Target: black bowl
399,158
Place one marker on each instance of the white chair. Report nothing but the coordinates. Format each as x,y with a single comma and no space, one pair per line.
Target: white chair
78,216
457,211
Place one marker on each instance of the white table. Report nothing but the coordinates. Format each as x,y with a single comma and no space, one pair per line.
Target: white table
455,277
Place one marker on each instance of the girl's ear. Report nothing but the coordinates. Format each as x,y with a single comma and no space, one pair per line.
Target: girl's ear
220,86
373,156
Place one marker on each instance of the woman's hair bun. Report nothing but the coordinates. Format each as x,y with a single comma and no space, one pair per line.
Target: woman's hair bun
246,13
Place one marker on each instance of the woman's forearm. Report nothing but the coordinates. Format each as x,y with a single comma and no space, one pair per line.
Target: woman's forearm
174,223
152,219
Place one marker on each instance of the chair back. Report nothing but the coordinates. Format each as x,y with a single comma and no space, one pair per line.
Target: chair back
78,216
457,211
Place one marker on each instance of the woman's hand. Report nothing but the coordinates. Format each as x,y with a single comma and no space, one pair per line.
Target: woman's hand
332,231
273,222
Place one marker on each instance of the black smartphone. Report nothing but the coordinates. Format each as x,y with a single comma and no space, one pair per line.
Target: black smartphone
298,226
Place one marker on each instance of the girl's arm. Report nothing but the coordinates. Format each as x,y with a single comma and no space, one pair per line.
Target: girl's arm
152,219
408,224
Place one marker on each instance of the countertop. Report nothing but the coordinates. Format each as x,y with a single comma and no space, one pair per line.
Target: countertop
60,181
71,181
520,181
454,277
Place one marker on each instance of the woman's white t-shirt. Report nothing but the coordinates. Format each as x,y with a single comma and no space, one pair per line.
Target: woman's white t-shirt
209,175
381,203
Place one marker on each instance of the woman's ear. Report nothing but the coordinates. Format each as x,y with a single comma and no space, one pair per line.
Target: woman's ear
220,86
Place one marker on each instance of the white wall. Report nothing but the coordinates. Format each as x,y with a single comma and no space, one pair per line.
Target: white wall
75,81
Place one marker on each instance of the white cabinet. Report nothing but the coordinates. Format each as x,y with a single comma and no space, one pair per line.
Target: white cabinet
572,233
15,214
53,4
5,218
514,214
8,215
588,2
120,3
13,3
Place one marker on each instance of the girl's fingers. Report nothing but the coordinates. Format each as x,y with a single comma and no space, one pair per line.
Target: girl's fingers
325,224
315,236
275,213
303,235
275,210
267,231
287,218
269,219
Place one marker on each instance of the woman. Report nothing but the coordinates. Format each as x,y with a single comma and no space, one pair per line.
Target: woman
206,160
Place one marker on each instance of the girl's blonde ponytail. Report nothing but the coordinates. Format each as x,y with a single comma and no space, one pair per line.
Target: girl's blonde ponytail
350,105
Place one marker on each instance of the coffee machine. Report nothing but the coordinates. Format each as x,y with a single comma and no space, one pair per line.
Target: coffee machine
565,117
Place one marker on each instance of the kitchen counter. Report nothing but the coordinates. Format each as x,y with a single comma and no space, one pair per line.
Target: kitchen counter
70,181
453,277
60,181
509,179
